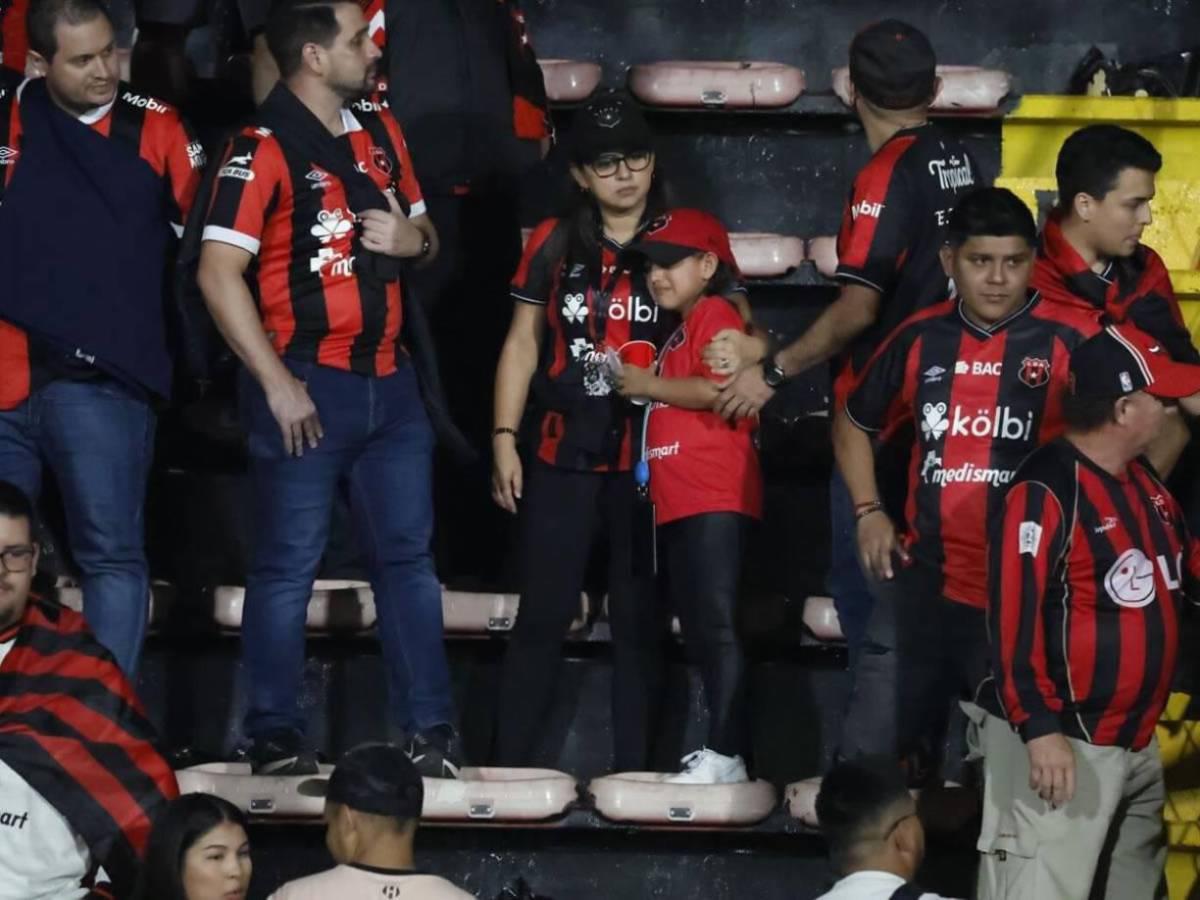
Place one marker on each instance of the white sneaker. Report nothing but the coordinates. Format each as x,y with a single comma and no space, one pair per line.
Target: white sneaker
706,766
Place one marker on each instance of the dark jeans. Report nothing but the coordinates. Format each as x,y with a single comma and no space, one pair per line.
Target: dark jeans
921,653
378,445
848,586
98,440
561,511
703,559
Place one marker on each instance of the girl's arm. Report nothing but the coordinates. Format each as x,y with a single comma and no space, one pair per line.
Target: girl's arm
692,392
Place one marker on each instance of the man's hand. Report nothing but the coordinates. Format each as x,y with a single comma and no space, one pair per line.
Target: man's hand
296,414
731,350
876,544
1052,769
633,381
507,473
391,232
743,395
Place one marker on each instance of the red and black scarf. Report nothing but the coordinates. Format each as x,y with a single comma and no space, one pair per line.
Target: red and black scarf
531,118
71,726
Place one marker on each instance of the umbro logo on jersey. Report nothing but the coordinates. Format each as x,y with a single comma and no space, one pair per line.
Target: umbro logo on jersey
933,375
8,156
320,180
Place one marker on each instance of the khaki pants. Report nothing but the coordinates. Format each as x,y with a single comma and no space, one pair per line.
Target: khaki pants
1107,842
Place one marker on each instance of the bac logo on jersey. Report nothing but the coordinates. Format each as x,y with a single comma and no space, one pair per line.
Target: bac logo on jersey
866,208
962,367
1035,371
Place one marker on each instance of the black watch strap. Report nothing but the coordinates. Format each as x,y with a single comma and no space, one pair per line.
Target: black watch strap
773,375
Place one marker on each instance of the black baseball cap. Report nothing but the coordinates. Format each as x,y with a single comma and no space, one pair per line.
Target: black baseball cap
609,123
892,65
1121,359
378,779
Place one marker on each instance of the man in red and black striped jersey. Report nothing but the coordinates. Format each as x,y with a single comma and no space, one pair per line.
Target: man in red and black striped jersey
888,264
92,169
80,778
973,385
319,206
1090,564
1091,255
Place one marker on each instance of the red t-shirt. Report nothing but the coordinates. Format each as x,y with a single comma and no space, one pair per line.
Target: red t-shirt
699,463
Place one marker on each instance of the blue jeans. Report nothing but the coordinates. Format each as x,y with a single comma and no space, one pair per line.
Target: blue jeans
378,444
847,585
98,440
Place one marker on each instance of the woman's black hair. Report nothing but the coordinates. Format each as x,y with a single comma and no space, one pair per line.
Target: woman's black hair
724,283
176,828
585,227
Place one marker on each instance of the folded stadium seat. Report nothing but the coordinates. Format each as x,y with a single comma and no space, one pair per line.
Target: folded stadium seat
822,252
801,800
335,606
525,233
965,89
471,612
645,798
569,80
821,618
733,85
497,795
763,255
162,594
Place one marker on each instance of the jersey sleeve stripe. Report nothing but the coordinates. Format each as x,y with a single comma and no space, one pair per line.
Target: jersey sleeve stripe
523,299
228,236
845,275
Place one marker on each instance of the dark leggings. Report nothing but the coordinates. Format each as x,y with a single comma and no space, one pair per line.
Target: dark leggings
703,559
561,512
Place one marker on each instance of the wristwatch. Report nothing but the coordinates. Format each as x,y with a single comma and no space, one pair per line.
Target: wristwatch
426,246
773,375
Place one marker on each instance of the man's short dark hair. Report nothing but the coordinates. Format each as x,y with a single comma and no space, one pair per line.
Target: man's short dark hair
1087,413
294,23
44,15
1092,159
855,803
990,212
14,503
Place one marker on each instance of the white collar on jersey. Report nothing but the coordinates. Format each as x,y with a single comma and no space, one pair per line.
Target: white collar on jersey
996,326
349,122
92,116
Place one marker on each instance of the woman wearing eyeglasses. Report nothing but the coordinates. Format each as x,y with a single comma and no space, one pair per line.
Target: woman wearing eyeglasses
575,298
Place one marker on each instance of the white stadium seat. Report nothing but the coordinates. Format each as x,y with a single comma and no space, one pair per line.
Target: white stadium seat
821,618
569,80
645,798
801,800
335,606
732,85
492,795
162,594
822,251
763,255
965,89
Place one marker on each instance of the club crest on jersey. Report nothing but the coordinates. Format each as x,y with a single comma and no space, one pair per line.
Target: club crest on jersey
379,159
1161,508
1035,371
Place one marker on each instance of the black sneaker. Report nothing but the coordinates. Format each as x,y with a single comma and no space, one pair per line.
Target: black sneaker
436,752
282,753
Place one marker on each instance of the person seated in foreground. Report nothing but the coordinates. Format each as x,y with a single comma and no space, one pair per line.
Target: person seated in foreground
876,842
373,802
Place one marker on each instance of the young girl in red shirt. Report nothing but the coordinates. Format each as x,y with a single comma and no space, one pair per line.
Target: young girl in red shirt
705,479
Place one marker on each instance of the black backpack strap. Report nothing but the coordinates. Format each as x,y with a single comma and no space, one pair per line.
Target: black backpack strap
908,891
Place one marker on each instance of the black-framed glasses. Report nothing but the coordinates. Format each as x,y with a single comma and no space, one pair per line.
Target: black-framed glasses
606,166
18,558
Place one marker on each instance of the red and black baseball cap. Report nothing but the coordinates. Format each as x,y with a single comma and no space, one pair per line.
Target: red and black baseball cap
681,233
1122,359
892,65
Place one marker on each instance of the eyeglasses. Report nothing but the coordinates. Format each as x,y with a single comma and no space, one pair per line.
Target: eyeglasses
606,166
17,559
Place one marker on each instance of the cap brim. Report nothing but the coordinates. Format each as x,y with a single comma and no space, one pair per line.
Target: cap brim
1173,380
663,254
